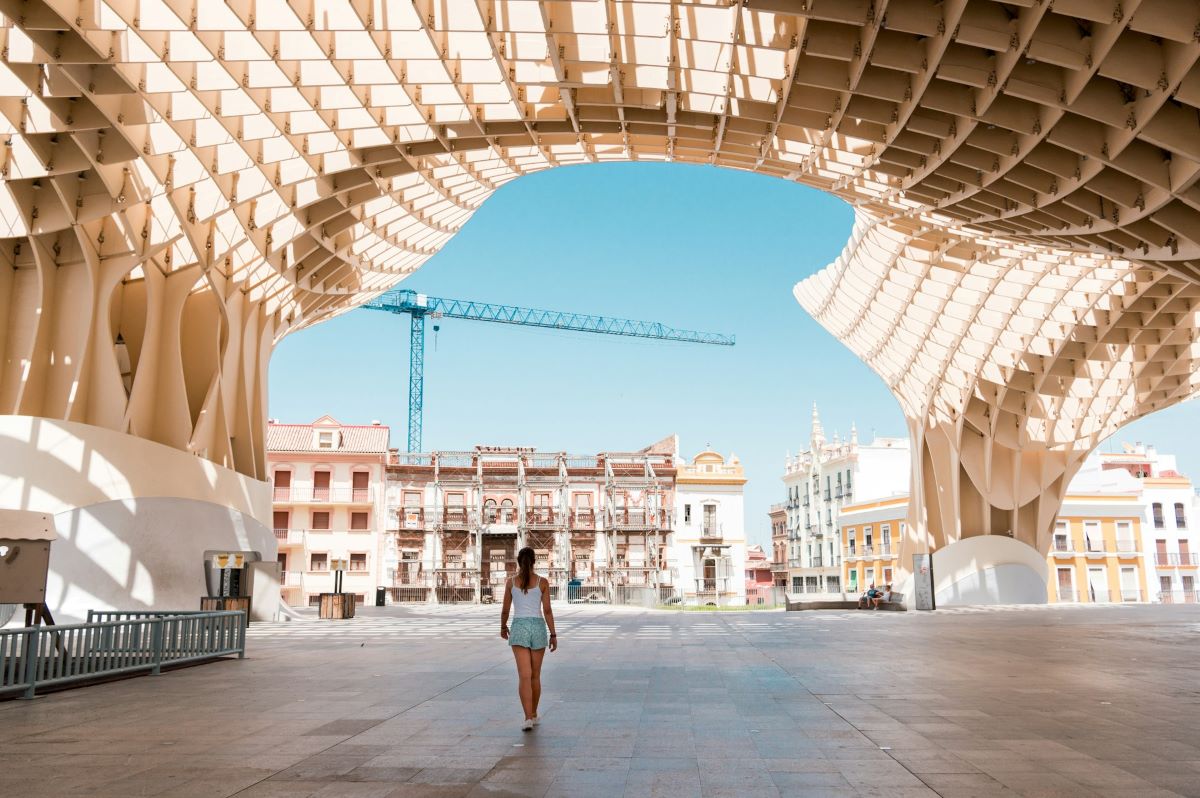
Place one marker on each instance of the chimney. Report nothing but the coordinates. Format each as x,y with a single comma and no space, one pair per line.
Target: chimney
374,422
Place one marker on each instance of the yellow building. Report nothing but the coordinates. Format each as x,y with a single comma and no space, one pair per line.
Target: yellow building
871,535
1096,552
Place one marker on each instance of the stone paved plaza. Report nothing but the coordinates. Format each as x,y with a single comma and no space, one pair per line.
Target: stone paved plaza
421,702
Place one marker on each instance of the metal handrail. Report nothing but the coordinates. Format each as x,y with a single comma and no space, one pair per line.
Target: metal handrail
115,642
312,495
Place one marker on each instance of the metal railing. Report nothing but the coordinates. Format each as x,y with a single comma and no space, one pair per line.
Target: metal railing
1178,596
881,550
543,517
640,519
1089,595
1177,559
409,594
304,495
114,643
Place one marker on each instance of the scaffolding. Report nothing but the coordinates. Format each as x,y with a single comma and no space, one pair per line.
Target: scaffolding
596,523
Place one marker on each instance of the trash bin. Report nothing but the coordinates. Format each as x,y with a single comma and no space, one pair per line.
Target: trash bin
380,596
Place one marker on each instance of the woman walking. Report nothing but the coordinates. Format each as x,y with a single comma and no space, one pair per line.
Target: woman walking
528,596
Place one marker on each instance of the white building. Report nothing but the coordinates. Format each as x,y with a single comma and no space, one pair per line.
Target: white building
1171,536
822,479
709,542
328,505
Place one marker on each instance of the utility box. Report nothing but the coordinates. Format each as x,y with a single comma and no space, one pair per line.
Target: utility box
25,539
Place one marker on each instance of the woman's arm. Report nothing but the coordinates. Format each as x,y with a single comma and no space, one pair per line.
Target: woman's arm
504,609
549,614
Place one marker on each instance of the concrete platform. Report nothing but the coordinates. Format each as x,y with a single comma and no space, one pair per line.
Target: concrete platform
1037,701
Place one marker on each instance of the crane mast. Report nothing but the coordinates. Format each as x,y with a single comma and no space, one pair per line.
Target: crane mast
419,306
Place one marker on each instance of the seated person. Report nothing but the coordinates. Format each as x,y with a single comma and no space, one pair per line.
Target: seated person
868,596
884,595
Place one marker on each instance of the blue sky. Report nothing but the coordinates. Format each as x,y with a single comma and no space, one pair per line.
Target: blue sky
691,246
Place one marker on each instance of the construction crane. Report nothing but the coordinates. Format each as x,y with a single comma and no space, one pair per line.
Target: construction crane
419,306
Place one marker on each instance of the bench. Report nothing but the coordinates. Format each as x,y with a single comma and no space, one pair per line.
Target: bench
893,603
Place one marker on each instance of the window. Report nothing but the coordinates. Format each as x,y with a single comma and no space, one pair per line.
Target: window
687,513
319,561
358,521
853,579
710,520
1180,518
1098,584
325,440
1093,540
1062,541
321,486
1066,584
887,576
867,540
359,486
320,519
852,548
283,485
1158,515
280,520
358,562
1129,584
1125,541
885,537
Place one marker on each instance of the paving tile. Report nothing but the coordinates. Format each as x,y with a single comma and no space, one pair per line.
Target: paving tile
420,702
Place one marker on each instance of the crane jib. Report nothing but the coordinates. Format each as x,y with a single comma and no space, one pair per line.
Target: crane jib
418,306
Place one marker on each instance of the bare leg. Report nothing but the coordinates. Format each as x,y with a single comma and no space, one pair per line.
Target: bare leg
524,679
536,655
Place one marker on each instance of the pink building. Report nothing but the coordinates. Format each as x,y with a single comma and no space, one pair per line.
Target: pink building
758,576
328,500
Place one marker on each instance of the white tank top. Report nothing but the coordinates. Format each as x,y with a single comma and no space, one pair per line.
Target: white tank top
527,605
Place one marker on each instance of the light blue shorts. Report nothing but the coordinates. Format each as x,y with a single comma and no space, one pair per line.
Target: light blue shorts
529,633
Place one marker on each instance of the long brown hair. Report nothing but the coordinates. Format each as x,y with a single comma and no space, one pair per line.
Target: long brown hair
525,558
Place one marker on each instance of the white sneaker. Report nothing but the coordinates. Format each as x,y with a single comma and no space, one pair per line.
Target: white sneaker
536,720
527,725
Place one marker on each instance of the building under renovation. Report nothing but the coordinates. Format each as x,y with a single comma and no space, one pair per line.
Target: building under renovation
602,525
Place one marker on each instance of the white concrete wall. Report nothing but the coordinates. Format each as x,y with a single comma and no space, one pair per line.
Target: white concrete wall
987,569
134,517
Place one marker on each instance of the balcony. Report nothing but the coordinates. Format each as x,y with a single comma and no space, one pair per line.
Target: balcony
458,517
583,519
311,495
712,531
1094,551
1127,548
1185,559
412,518
291,537
500,515
544,518
640,519
828,496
